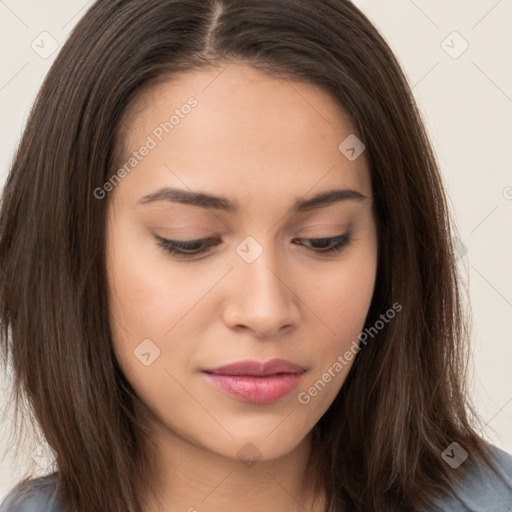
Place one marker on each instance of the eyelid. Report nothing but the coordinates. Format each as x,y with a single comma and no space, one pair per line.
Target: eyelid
178,248
185,243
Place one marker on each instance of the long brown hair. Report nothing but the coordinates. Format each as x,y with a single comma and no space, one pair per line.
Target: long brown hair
379,445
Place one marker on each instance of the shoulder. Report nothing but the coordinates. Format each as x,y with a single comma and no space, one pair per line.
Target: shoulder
481,490
37,495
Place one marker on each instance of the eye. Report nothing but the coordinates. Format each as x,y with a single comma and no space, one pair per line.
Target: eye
331,245
189,248
186,248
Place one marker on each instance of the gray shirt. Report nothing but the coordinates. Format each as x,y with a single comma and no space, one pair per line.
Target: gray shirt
479,491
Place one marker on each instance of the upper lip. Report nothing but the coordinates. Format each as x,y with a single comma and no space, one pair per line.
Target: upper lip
257,368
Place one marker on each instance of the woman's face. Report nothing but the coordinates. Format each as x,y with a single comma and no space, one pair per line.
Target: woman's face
262,152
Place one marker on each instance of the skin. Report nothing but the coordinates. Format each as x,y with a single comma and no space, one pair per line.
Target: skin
264,143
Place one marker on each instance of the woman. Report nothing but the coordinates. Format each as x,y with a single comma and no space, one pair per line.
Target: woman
227,271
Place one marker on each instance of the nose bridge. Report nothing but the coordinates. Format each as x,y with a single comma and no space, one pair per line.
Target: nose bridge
261,298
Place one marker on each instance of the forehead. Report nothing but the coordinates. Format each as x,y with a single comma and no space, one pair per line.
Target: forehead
246,131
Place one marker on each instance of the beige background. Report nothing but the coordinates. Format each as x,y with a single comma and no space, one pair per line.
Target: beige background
466,98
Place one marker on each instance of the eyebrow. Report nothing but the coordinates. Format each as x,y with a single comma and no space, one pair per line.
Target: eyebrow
204,200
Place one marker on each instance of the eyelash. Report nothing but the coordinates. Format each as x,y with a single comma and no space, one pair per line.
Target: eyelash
185,249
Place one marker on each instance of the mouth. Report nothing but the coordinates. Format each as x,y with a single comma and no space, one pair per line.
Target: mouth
254,381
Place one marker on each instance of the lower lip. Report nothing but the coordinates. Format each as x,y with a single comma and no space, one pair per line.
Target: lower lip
256,390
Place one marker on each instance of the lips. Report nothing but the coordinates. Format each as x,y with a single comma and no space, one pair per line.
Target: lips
257,368
255,381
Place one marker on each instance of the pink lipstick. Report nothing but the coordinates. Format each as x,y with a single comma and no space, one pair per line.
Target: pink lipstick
254,381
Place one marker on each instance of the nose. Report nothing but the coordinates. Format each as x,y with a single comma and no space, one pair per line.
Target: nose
261,297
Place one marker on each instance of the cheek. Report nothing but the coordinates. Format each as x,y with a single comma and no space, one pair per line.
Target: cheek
342,301
157,308
343,297
143,301
148,295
